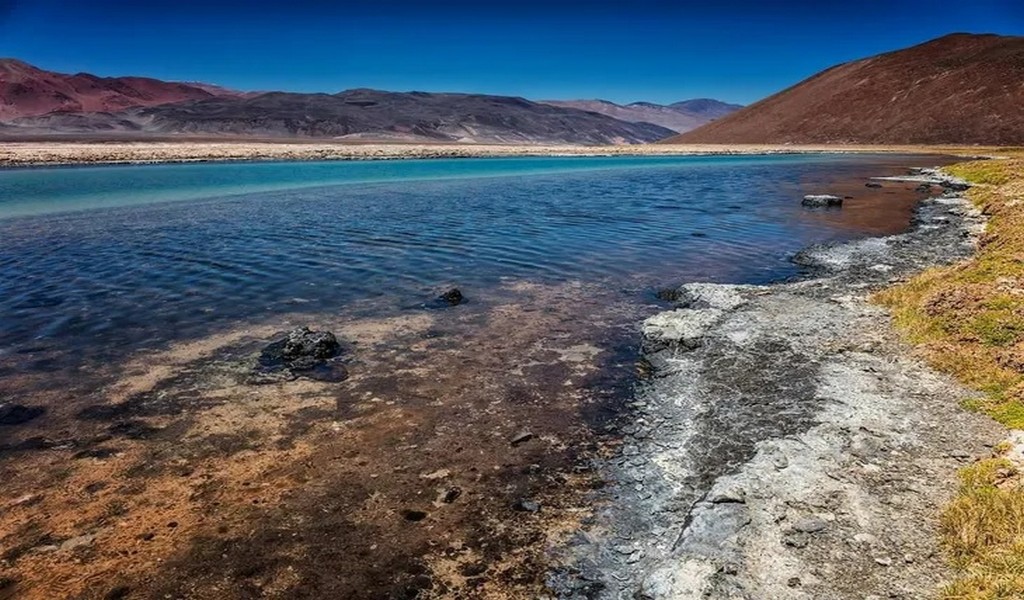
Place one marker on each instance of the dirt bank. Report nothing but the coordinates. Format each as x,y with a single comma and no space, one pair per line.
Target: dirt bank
786,445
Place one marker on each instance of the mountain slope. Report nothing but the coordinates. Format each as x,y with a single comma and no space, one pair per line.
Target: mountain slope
362,114
958,89
27,91
679,117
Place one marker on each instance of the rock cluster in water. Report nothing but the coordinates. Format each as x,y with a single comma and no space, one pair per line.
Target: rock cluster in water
302,353
452,297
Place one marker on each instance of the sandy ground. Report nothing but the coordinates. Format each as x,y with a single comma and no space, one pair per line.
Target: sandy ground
63,153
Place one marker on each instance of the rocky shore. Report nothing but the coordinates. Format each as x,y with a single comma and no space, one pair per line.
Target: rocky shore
786,445
78,152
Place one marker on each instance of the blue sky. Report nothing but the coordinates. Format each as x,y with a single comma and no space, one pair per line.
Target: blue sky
624,51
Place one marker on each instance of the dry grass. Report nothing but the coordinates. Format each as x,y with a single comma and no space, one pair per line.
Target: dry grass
968,320
983,533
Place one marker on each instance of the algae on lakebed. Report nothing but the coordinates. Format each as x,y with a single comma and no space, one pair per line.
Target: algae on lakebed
968,320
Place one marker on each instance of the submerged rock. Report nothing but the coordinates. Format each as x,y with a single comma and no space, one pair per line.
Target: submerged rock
303,343
453,297
873,184
822,201
302,353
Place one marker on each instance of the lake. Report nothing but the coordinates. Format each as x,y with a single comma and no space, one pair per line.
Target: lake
144,459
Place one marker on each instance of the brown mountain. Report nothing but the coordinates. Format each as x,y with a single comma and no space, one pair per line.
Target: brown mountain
679,117
28,91
958,89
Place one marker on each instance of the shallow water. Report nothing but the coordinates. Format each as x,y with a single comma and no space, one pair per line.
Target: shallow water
90,259
134,302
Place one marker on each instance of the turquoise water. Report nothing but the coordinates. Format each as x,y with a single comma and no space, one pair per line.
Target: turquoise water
37,191
108,259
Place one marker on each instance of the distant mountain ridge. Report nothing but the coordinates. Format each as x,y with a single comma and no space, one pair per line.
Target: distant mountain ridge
957,89
356,115
29,91
38,102
679,116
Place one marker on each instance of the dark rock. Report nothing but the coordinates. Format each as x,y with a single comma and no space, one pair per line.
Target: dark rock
822,201
303,353
304,343
924,188
451,495
793,582
16,414
873,184
453,297
413,515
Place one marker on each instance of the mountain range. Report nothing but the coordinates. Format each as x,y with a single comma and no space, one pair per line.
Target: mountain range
679,116
38,102
957,89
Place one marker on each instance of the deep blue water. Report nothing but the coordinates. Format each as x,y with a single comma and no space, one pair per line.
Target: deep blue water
127,256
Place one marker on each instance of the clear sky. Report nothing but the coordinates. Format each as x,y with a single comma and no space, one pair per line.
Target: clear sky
623,51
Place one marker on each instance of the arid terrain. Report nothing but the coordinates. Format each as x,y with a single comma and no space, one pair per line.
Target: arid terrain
961,89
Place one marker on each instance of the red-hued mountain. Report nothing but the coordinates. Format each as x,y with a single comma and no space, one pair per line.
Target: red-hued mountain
958,89
28,91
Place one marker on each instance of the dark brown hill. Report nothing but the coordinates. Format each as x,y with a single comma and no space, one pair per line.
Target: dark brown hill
958,89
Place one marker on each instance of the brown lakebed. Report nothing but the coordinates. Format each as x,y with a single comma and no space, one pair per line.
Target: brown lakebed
460,450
